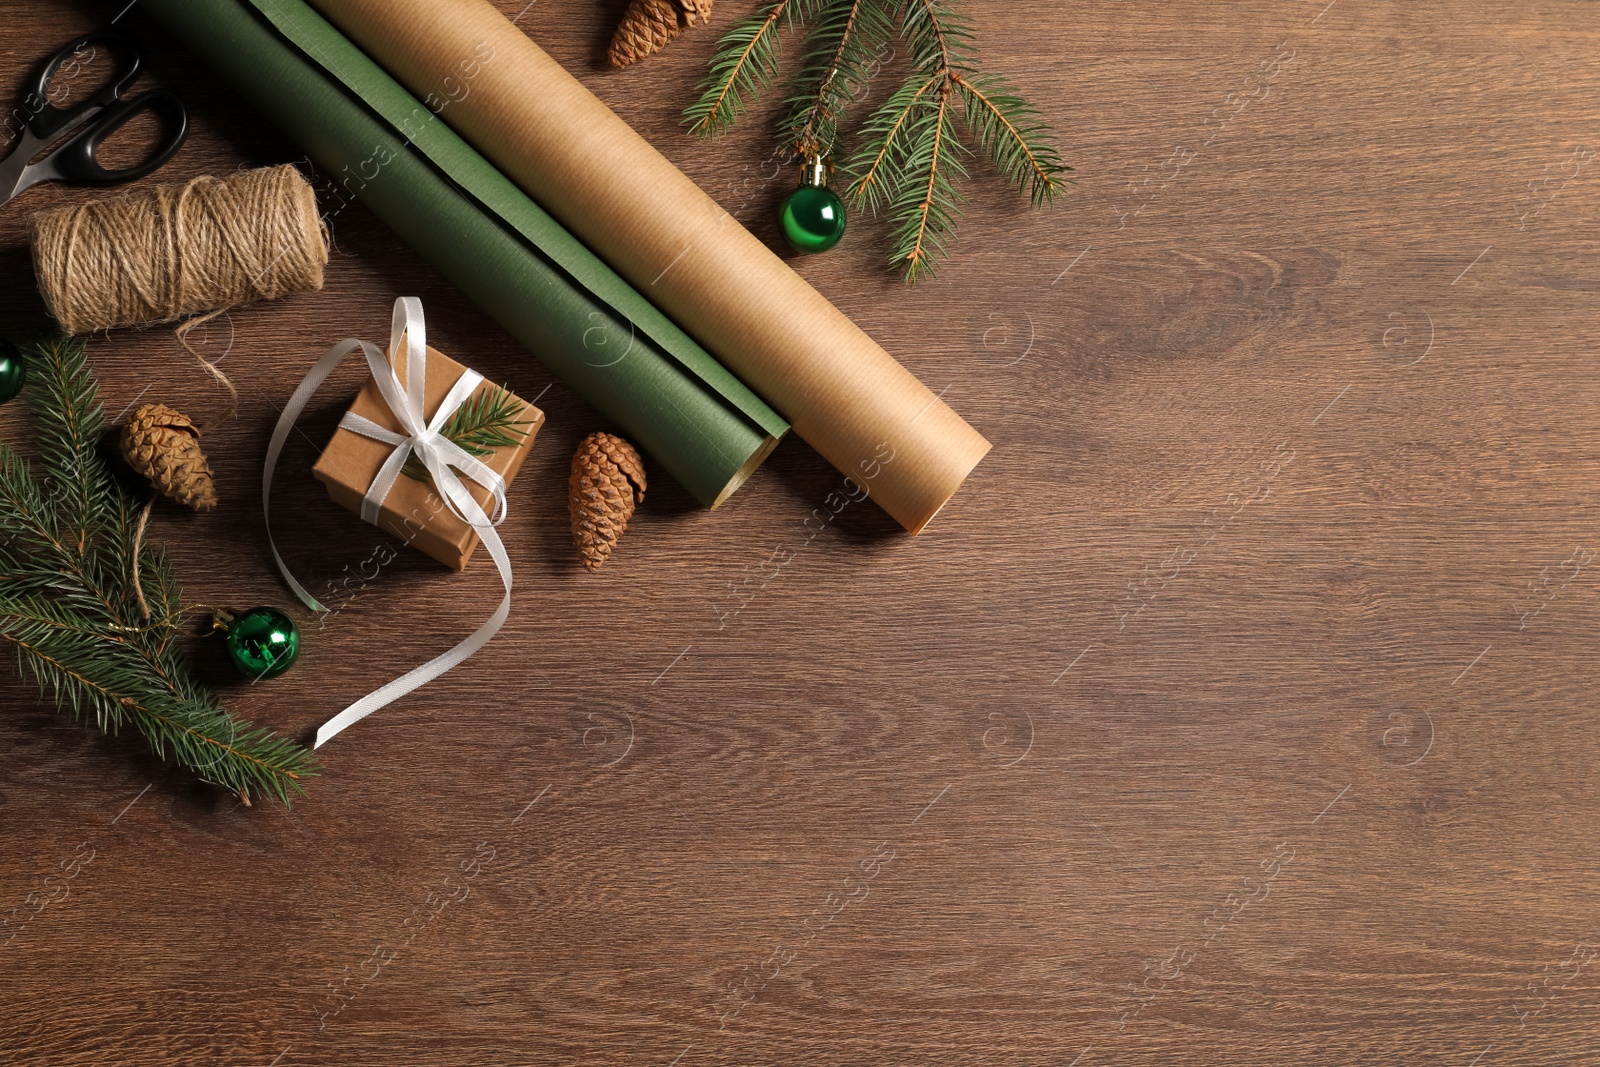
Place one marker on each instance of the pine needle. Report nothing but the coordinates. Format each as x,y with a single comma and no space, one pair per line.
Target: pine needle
926,203
1010,130
887,133
71,574
484,422
746,63
848,38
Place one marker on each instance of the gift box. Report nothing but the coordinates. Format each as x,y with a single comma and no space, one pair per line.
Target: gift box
413,511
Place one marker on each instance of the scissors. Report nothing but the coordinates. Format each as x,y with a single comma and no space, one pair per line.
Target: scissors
91,121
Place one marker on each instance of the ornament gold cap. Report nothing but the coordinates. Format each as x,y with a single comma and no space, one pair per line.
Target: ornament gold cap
816,170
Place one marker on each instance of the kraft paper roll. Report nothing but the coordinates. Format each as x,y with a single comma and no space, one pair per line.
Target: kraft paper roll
593,330
843,393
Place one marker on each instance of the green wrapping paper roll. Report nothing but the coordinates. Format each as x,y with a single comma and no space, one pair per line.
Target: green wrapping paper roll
574,313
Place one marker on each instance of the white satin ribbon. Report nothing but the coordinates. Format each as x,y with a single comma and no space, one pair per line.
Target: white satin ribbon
441,457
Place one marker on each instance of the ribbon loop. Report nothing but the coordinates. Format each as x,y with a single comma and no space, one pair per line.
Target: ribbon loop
445,461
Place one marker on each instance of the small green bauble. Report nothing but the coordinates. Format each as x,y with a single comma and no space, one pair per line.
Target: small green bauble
262,642
812,217
12,371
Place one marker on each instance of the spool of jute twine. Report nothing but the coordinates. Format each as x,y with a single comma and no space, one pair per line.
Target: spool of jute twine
164,252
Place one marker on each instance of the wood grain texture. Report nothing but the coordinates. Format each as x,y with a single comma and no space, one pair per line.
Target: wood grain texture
1239,710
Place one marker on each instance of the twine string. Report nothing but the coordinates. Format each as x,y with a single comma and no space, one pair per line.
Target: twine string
163,252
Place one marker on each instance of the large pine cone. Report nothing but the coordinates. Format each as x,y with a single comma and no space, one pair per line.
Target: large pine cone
607,483
648,25
164,445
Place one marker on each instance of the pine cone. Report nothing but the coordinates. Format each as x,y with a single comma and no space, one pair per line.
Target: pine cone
649,24
607,483
164,446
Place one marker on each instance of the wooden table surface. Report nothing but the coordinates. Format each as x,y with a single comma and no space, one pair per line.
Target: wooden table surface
1239,709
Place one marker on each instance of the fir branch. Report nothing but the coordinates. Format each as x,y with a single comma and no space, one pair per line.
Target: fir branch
885,133
926,203
745,63
70,422
940,38
26,514
206,739
911,165
1010,130
61,521
53,674
849,38
69,602
484,422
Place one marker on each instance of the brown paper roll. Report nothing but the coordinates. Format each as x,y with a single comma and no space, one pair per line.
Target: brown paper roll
842,392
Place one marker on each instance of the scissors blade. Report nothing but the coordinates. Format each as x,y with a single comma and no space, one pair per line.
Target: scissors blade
14,172
17,162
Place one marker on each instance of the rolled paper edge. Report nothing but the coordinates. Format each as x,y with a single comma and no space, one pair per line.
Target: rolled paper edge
742,475
917,525
937,471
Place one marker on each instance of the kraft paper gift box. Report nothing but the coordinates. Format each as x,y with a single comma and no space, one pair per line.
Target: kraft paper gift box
414,511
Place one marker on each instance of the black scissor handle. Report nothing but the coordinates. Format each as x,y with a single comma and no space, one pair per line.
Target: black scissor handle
75,161
47,119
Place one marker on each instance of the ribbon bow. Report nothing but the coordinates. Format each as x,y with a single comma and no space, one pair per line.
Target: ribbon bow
441,457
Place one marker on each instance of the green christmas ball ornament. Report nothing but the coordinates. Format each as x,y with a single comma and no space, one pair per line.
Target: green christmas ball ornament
262,642
813,216
12,371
